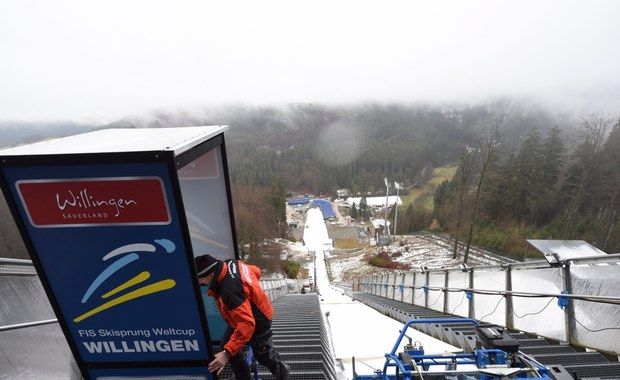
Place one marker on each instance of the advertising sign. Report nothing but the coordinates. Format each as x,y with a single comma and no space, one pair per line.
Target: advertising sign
110,244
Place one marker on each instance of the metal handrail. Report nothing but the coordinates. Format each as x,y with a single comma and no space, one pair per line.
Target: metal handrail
613,258
27,324
15,261
16,267
581,297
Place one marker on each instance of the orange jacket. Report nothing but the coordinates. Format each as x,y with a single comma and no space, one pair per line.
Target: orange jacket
241,301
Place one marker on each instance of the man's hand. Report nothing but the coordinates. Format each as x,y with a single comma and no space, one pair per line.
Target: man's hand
218,363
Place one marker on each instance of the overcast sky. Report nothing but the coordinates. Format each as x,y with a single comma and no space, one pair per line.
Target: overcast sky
102,60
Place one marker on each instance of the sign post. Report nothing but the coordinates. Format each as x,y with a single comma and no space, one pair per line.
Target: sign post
112,220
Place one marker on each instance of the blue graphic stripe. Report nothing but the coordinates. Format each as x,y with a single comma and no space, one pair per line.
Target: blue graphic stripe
113,268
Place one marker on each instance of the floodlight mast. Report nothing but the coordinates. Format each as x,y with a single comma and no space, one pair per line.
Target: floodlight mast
398,186
386,229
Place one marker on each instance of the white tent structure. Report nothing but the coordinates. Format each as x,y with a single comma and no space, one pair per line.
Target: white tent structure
376,201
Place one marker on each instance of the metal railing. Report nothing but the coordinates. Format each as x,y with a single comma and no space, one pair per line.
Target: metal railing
520,296
275,288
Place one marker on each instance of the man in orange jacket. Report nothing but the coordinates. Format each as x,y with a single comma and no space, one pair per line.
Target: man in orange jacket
248,313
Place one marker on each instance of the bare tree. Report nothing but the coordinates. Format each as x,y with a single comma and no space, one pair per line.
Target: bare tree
465,170
488,149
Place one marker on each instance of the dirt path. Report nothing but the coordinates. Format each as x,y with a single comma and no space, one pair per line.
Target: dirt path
339,217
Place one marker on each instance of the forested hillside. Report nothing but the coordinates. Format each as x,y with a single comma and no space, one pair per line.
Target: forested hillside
547,189
524,171
19,133
523,190
317,148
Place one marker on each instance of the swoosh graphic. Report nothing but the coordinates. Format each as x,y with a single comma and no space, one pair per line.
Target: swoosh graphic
168,245
136,280
130,248
113,268
146,290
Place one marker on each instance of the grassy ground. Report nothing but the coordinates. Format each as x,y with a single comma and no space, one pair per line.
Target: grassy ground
347,243
424,194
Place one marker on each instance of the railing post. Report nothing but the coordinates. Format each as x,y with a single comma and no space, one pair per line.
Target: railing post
413,289
445,292
394,288
426,278
570,306
375,278
472,309
371,284
509,306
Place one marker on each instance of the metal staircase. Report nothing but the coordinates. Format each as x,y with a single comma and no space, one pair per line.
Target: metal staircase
301,338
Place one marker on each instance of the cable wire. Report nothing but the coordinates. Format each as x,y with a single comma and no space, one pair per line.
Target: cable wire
512,310
419,294
496,306
460,303
440,294
465,283
591,330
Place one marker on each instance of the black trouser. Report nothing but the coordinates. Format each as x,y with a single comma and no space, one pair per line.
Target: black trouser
262,348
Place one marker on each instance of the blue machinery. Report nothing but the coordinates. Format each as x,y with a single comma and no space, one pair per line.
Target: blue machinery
496,356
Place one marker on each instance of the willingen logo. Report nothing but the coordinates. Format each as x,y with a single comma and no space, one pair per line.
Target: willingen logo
99,298
94,201
86,202
124,256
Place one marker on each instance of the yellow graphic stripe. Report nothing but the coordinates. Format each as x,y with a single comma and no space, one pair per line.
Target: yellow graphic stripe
143,291
136,280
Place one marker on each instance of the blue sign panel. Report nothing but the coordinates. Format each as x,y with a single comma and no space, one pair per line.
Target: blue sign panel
111,246
150,374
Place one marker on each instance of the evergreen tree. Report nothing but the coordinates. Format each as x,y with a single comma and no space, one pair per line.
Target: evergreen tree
501,202
576,190
610,188
409,219
552,163
353,211
441,194
364,205
277,201
528,174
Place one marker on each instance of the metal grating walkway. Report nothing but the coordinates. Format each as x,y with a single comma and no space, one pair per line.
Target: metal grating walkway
570,362
301,338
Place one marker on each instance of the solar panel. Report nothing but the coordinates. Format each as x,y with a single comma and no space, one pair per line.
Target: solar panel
557,251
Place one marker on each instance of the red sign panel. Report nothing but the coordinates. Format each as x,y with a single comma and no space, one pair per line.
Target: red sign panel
94,201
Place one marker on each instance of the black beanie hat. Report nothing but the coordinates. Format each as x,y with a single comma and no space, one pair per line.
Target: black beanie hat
205,265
